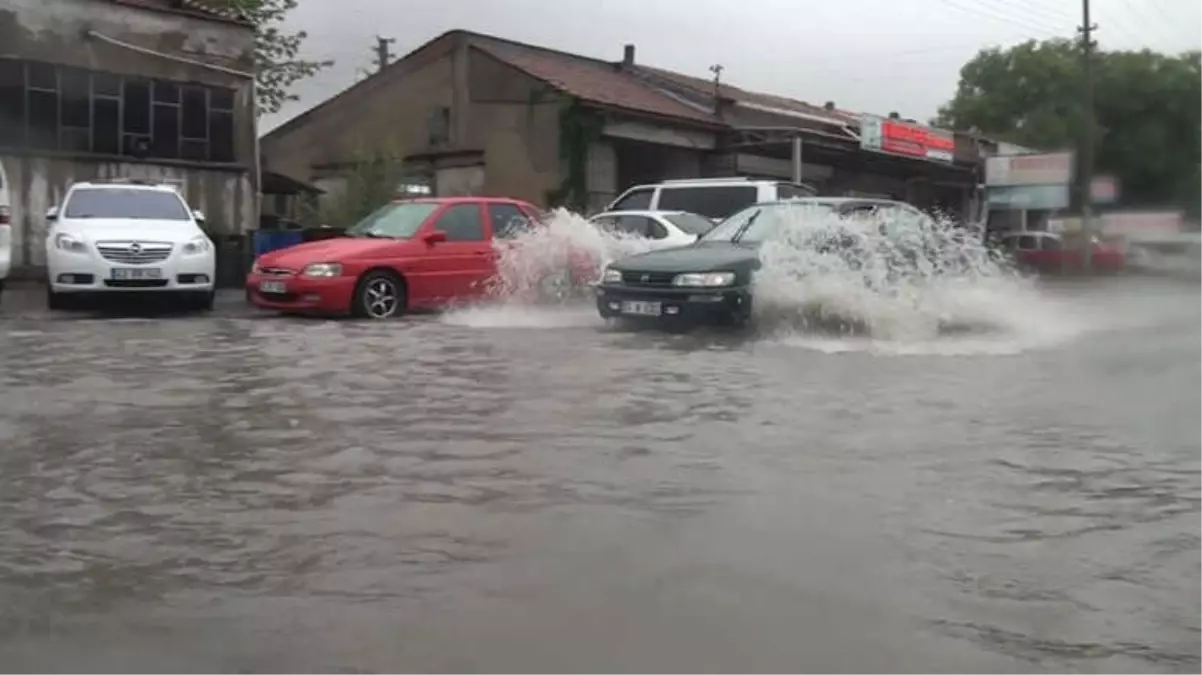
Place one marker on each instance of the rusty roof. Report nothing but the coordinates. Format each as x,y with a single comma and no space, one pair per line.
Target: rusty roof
599,82
212,10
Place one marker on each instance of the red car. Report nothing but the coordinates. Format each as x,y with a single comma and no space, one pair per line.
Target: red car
1048,252
410,254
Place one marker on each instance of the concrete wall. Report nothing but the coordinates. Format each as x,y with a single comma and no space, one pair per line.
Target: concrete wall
227,197
389,112
52,31
515,120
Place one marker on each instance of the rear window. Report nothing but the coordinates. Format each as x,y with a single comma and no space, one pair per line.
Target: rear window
690,223
717,201
126,203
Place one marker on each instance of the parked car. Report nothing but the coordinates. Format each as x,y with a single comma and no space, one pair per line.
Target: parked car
6,231
1048,252
122,236
714,198
666,228
711,279
419,253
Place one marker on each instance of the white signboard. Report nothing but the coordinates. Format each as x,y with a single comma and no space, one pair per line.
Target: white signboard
1046,169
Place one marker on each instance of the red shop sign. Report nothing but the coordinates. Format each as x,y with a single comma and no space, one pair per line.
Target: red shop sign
910,140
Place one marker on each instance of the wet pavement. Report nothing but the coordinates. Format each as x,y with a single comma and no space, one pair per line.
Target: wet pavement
537,492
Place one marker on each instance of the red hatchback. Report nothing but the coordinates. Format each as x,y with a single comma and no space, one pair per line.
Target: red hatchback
420,253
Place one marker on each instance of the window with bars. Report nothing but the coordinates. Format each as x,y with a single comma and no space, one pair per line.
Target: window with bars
49,107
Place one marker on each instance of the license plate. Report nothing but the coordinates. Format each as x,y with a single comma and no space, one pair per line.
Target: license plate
641,308
136,273
272,287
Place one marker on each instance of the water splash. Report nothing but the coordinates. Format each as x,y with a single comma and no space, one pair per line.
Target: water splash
901,285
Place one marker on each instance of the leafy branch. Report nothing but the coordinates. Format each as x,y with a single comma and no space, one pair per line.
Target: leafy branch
276,50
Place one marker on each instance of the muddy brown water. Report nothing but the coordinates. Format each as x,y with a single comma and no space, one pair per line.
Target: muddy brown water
242,492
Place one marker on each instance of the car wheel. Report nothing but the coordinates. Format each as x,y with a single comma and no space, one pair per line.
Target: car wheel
203,302
57,301
379,295
555,287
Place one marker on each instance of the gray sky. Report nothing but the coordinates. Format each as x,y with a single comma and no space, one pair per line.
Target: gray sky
866,55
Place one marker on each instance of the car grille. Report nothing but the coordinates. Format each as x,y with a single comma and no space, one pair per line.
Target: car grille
648,278
134,253
276,272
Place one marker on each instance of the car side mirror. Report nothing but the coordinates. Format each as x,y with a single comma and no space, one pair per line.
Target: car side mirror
199,216
52,214
435,237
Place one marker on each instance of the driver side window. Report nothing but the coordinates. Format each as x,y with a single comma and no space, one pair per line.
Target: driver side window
461,222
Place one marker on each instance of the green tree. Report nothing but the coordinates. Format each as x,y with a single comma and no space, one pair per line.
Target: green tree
1149,122
373,177
276,62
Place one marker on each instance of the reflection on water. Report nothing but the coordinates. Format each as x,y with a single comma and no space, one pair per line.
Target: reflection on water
239,493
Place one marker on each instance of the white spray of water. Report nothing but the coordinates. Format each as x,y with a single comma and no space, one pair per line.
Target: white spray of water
903,285
544,274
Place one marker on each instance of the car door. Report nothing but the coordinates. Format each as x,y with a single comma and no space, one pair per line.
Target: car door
459,267
507,223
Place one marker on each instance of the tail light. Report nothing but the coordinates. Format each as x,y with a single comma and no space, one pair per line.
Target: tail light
4,215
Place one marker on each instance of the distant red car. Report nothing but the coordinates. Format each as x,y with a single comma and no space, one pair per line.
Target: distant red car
410,254
1048,252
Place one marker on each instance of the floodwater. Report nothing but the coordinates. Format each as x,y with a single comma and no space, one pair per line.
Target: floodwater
530,490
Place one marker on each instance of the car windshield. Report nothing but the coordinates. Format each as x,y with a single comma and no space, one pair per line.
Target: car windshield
754,224
399,220
690,223
126,203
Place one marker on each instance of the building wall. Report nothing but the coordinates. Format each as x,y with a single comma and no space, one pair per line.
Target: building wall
514,119
389,113
53,33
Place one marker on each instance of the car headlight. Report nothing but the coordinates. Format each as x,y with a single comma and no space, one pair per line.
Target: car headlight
66,242
704,279
323,270
200,244
611,276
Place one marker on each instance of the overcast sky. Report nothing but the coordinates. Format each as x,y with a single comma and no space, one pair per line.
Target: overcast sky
866,55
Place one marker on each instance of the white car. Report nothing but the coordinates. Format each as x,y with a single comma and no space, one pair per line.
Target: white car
121,237
714,198
6,230
665,228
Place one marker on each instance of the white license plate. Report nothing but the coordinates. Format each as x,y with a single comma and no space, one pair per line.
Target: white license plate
272,287
641,308
136,273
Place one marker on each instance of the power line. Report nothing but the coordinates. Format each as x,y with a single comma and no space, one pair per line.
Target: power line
990,13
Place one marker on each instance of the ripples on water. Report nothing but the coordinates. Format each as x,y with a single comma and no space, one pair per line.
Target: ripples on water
246,493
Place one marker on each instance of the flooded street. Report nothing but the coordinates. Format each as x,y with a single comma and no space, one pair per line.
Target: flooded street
530,490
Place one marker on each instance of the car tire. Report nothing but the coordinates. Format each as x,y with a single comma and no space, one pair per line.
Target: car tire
379,295
556,287
57,301
203,302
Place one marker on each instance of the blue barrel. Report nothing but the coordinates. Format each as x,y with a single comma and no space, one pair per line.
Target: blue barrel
266,241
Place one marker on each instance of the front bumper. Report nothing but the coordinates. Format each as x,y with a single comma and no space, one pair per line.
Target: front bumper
88,273
685,305
317,295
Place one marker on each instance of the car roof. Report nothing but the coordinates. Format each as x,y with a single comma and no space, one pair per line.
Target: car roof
124,185
833,201
644,212
461,200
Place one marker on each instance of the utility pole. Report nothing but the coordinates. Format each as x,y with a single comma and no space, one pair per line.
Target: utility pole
1088,134
717,69
383,55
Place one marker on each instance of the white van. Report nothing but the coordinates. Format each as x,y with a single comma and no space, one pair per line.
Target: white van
6,229
714,198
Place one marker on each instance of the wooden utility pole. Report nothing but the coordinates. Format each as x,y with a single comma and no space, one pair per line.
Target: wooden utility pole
1088,133
383,55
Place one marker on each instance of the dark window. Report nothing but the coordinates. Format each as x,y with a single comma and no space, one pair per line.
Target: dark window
718,201
126,203
461,222
1027,243
656,230
48,107
791,191
164,142
106,126
12,102
635,200
136,119
1052,244
508,221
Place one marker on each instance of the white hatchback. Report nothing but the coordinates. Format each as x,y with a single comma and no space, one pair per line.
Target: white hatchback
121,237
663,228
